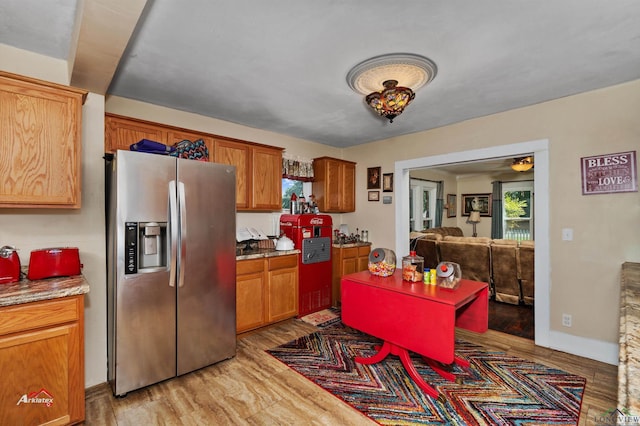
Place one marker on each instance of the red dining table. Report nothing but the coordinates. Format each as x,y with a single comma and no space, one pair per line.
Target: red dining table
413,316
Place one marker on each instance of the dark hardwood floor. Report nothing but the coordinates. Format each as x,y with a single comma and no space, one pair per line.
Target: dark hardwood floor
517,320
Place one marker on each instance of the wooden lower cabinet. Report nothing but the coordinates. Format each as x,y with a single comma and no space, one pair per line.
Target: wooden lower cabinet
266,291
347,260
282,288
250,294
42,362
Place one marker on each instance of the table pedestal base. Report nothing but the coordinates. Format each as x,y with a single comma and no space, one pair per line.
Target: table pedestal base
389,348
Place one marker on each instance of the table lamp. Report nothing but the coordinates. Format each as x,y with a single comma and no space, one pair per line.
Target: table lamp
474,219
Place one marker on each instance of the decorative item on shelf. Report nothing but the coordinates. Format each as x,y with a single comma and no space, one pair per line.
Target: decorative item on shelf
389,81
522,164
474,219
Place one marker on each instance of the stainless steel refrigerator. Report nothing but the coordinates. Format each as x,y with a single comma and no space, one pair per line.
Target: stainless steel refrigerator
170,267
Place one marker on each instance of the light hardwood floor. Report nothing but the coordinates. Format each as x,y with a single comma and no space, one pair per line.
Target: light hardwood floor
255,389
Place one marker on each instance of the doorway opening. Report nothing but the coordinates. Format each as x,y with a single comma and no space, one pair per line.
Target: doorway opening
540,149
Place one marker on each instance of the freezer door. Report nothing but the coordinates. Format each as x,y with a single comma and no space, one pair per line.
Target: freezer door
207,264
141,306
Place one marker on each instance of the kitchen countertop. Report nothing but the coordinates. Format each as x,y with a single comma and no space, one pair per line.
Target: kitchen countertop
347,245
260,253
25,291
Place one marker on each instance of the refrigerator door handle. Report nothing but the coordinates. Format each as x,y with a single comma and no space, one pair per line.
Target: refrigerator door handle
173,227
183,233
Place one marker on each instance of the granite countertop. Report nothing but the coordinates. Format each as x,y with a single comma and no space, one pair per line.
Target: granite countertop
25,291
265,252
347,245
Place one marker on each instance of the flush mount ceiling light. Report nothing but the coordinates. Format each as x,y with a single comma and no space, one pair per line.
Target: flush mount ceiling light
389,82
522,164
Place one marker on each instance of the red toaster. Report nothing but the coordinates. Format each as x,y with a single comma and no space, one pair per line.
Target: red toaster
54,262
9,265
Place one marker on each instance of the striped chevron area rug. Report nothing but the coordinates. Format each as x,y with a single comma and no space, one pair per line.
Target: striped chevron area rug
496,389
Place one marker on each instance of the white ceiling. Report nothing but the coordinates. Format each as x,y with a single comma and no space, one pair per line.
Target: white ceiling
281,65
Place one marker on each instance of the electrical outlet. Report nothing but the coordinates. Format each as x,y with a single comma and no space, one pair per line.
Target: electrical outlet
567,234
566,320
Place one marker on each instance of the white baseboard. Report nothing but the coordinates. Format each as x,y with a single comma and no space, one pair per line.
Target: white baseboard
588,348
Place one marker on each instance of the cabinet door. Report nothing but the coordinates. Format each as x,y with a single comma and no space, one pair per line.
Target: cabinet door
282,287
239,155
283,294
250,302
42,358
334,185
363,258
122,132
349,266
267,179
40,145
348,192
175,136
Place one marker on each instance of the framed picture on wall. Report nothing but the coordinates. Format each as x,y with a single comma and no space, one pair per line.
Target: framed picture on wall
373,178
452,205
479,202
374,195
387,182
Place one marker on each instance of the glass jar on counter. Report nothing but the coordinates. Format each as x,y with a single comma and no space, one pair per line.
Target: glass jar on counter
412,267
382,262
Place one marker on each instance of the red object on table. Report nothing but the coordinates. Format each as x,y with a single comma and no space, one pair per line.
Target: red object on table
413,316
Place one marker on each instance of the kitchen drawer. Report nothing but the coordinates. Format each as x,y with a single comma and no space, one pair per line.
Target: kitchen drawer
29,316
364,251
280,262
348,253
250,266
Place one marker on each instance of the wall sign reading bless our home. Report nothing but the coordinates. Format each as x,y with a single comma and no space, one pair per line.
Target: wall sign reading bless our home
604,174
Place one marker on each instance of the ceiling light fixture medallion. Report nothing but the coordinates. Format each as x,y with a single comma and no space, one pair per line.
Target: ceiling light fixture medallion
390,81
522,164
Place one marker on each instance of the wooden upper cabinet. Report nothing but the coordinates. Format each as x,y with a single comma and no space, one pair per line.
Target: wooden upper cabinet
40,143
239,155
122,132
258,167
334,185
267,179
348,187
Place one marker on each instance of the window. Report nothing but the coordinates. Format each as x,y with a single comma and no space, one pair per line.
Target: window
517,210
289,186
422,204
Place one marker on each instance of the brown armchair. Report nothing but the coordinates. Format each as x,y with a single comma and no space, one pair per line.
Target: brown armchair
504,267
473,254
526,270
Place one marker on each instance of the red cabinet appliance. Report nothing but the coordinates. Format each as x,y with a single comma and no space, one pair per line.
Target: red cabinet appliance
311,234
